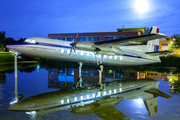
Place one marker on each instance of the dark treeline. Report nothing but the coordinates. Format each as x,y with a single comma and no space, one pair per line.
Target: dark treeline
4,41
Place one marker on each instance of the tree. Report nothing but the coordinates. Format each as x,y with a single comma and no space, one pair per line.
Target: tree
10,40
175,42
146,31
21,39
2,40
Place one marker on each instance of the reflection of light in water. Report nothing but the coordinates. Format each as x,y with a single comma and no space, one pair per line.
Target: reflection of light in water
67,100
75,99
62,101
139,100
32,113
81,97
87,96
14,101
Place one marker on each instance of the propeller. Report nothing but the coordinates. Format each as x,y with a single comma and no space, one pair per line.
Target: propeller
73,45
73,108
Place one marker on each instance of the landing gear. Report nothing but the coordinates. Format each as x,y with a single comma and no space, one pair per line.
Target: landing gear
80,80
100,69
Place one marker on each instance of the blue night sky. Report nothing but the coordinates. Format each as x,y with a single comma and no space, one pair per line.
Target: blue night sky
26,18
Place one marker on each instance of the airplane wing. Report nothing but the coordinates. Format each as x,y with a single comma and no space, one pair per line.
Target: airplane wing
135,39
110,113
157,92
158,53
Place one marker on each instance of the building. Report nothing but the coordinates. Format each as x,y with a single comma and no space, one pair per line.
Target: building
97,36
164,45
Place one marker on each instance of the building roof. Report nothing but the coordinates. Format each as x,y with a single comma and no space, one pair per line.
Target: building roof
130,29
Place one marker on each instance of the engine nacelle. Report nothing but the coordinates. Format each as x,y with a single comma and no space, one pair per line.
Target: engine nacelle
85,45
111,51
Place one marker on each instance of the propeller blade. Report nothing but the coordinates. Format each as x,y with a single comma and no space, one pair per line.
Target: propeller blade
74,50
71,104
70,51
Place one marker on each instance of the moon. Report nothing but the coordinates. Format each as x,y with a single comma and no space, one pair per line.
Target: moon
141,6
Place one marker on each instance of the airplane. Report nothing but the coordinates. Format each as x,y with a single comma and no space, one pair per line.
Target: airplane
90,99
109,52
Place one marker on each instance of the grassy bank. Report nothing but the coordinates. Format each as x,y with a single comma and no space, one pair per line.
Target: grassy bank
5,58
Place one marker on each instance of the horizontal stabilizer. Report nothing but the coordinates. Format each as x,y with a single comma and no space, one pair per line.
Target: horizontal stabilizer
157,92
158,53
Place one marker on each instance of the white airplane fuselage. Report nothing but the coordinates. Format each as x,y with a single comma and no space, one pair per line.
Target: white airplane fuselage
59,49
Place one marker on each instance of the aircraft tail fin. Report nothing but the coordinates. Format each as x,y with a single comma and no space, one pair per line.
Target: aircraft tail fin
154,29
151,105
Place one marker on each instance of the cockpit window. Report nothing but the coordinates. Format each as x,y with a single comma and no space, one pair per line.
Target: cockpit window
30,41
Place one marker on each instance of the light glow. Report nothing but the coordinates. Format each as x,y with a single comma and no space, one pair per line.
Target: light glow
75,99
105,56
93,95
109,91
62,50
67,100
114,90
110,57
141,6
62,101
81,53
87,54
99,55
68,51
115,57
81,97
120,57
104,92
87,96
120,89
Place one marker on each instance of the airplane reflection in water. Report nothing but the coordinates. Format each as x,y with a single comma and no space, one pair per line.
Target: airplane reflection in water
90,99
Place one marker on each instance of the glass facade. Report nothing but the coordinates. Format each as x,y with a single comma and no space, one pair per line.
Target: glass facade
81,38
91,38
109,38
86,38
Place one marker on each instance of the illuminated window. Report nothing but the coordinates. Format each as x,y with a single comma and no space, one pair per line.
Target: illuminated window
99,93
62,101
104,92
62,38
110,57
115,57
93,95
68,51
109,38
86,73
99,55
109,91
81,38
114,90
91,73
120,89
86,38
70,38
81,53
75,99
81,97
67,100
120,57
91,38
88,54
105,56
62,50
87,96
